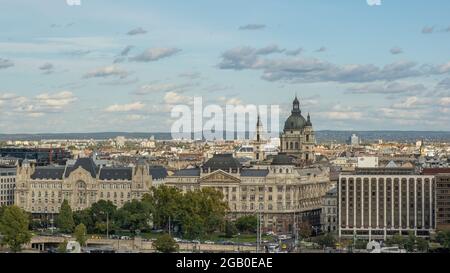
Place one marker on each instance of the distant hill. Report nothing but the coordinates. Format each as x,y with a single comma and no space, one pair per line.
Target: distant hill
321,136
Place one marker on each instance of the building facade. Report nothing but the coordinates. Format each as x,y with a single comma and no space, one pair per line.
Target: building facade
442,176
329,211
283,194
41,190
377,206
7,186
298,138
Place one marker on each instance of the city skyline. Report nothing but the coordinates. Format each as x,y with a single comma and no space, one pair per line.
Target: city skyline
103,67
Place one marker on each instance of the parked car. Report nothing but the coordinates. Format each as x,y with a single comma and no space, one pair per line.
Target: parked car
209,242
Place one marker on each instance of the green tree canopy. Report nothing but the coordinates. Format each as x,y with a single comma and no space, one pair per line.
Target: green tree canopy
247,223
165,203
95,217
165,244
65,221
134,215
327,240
230,229
14,225
443,238
80,234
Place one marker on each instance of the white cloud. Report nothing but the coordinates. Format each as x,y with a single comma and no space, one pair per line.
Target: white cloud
175,98
162,87
106,71
445,101
125,107
155,54
56,101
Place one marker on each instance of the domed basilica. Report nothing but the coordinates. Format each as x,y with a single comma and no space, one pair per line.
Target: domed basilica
297,139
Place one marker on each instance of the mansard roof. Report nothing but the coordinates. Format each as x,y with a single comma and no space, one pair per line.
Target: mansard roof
222,162
54,173
254,172
188,172
282,159
158,172
113,173
87,164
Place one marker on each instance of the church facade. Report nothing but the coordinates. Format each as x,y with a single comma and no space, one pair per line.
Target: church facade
298,139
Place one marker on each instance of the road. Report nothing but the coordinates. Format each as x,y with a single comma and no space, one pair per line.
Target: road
135,245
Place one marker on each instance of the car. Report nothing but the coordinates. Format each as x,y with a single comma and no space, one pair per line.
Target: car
209,242
178,240
196,242
270,233
228,243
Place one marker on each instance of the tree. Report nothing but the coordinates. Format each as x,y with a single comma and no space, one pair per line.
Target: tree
102,212
65,221
230,229
305,229
410,242
397,240
360,244
80,234
134,215
84,217
165,244
422,245
247,224
327,240
202,212
62,247
165,203
14,224
443,238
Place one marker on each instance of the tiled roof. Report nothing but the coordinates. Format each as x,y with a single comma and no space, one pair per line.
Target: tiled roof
187,172
86,163
158,172
254,173
110,173
55,173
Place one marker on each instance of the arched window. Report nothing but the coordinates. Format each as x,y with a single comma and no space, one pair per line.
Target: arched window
292,146
80,185
296,145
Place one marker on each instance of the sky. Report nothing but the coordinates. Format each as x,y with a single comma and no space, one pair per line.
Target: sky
106,65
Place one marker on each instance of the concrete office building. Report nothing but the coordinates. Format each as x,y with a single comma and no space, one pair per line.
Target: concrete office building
377,205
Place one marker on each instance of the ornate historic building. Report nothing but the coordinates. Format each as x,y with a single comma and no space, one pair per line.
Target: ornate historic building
41,190
282,193
298,139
